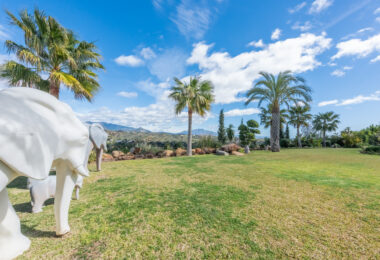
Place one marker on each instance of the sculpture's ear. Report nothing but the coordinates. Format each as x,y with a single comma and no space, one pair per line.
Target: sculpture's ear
24,151
97,135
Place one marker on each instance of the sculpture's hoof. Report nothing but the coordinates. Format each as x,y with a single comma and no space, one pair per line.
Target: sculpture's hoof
36,210
61,234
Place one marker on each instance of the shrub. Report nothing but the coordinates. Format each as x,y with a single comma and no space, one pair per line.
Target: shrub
371,149
207,142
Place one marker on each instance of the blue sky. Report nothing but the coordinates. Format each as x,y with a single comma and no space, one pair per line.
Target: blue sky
333,44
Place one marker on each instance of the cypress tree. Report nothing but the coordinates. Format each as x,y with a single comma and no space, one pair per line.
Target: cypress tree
222,137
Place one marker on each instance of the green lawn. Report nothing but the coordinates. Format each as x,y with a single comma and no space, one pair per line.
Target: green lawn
312,203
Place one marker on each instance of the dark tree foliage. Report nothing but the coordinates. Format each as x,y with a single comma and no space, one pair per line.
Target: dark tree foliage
247,133
222,137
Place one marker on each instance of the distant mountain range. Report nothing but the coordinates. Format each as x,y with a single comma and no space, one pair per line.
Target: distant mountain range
115,127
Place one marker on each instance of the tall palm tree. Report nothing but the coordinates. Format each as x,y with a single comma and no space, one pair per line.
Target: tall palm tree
299,116
278,91
326,122
266,116
50,57
196,96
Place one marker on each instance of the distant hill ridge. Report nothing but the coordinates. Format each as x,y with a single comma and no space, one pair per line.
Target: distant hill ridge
115,127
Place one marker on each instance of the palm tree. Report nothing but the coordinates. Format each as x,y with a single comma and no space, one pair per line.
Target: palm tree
230,133
326,122
298,117
196,96
266,116
50,57
278,91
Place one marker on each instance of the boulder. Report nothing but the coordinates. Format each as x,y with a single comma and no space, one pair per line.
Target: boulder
117,154
202,151
230,148
180,152
107,157
126,157
220,152
198,150
193,151
237,153
167,153
149,156
211,150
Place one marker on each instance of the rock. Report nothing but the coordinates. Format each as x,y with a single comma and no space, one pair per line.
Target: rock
211,150
167,153
230,148
193,151
139,156
107,157
237,153
126,157
201,152
149,156
180,152
198,150
220,152
137,150
117,154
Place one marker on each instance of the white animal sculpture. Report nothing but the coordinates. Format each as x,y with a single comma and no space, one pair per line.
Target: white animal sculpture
42,190
37,132
98,137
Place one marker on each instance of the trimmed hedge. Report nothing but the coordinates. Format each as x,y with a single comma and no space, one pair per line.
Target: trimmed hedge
371,150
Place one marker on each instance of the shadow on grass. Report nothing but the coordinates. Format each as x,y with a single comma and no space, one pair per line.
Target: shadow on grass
31,231
19,182
27,207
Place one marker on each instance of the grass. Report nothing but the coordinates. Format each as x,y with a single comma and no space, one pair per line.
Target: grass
312,203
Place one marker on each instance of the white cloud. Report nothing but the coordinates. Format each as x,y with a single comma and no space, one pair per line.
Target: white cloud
375,59
233,76
347,68
377,11
130,60
147,53
192,19
377,19
352,101
319,5
3,33
357,47
258,44
241,112
276,34
338,73
367,29
297,8
360,99
171,63
327,103
127,94
159,116
359,32
302,27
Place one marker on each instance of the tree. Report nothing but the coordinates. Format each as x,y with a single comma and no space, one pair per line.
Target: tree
221,131
278,91
230,133
266,116
287,134
196,96
50,49
326,122
299,116
247,133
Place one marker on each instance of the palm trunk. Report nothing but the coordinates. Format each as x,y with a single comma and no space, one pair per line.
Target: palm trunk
299,137
275,130
324,138
54,89
189,134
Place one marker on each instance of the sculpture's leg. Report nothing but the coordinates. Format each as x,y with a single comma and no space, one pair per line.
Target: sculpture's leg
38,201
65,185
77,193
99,154
12,242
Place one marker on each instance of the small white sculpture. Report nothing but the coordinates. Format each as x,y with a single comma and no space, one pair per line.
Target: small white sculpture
42,190
98,137
37,132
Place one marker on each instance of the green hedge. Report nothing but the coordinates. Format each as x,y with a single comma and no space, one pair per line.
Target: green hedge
371,150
